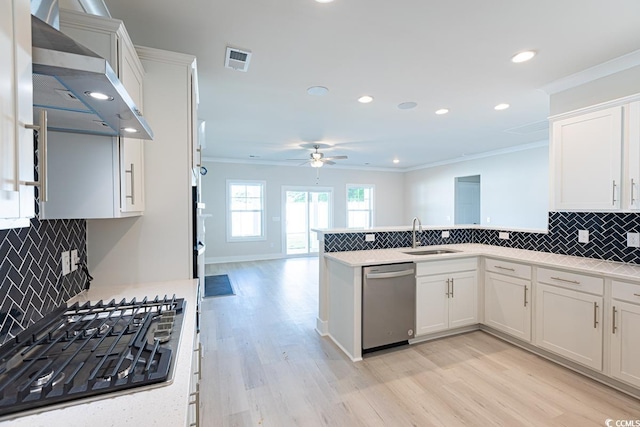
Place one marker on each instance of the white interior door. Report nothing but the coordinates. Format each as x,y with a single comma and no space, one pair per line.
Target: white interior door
305,209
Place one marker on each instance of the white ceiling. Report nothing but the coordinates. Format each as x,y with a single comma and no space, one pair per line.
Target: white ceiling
453,54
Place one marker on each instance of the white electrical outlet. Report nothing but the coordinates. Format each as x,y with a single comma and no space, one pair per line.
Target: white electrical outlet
445,234
633,240
74,260
369,237
65,259
503,235
488,219
583,236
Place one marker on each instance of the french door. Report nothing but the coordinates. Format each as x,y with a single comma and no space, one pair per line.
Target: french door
305,209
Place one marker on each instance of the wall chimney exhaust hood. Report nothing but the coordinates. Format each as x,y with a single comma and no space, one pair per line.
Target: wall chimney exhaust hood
79,89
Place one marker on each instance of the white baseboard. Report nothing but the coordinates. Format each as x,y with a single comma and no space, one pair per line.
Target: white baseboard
241,258
322,327
349,355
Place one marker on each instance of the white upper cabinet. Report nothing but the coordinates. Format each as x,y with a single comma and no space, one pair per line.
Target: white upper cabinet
586,153
99,176
595,159
16,112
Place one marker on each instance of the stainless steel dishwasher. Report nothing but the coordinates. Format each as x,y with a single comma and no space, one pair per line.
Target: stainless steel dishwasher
388,305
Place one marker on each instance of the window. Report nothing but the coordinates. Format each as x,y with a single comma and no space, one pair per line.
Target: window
245,204
359,206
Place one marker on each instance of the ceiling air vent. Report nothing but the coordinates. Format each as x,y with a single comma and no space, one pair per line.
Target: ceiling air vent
540,128
237,59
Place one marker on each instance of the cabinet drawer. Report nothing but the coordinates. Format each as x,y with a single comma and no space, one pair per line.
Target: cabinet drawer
446,266
508,268
578,282
625,291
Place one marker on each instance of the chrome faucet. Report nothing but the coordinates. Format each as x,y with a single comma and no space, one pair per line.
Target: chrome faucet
414,242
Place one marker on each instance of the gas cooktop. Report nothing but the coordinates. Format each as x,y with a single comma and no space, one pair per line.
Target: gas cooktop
87,350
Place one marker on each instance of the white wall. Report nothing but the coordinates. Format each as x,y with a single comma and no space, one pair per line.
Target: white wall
513,190
388,199
158,245
614,86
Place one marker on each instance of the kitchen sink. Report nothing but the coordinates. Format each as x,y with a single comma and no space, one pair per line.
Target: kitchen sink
431,252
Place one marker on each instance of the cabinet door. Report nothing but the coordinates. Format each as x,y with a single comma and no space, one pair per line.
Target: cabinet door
132,150
634,155
432,304
625,345
463,300
16,111
587,161
507,305
570,323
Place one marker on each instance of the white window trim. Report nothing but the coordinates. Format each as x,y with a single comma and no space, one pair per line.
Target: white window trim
372,211
230,182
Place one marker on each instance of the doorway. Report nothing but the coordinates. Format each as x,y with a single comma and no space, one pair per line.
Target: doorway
467,200
305,209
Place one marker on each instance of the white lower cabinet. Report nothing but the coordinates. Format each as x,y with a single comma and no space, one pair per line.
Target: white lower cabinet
507,304
625,332
448,300
569,323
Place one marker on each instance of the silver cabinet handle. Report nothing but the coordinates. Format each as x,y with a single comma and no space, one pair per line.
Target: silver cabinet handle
595,315
42,157
133,185
613,198
633,184
525,295
504,268
451,288
614,320
448,294
575,282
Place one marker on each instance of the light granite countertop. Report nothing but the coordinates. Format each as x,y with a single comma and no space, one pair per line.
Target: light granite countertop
544,259
163,405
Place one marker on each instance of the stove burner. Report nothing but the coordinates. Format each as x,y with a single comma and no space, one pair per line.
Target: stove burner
36,386
87,332
123,372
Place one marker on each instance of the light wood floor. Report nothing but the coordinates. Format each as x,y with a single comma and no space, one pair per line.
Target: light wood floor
264,365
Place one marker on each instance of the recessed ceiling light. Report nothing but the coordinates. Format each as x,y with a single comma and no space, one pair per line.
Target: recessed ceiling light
365,99
324,1
523,56
317,90
396,161
99,95
407,105
130,130
501,107
442,111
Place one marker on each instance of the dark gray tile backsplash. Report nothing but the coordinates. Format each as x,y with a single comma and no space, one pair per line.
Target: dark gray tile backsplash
607,237
31,277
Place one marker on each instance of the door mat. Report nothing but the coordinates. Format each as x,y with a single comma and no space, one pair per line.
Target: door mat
217,286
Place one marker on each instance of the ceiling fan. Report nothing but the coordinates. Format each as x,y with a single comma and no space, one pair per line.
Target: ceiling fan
317,159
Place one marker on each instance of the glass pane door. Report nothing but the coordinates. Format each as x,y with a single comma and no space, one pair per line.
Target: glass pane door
305,210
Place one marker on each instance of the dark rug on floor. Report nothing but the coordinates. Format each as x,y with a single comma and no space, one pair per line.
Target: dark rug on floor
217,286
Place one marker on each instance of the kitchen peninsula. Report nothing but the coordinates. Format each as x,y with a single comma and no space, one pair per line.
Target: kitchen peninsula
566,308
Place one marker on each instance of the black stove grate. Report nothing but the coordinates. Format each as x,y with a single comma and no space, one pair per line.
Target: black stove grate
86,350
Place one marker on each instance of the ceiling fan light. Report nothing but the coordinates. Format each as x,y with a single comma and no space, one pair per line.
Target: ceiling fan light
316,164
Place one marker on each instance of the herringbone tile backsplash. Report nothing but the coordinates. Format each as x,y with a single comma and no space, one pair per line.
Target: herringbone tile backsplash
607,237
31,277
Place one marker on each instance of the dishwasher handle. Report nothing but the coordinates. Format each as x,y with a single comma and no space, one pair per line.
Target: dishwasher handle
390,274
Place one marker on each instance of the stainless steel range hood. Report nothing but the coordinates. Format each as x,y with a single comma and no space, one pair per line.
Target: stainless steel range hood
65,73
